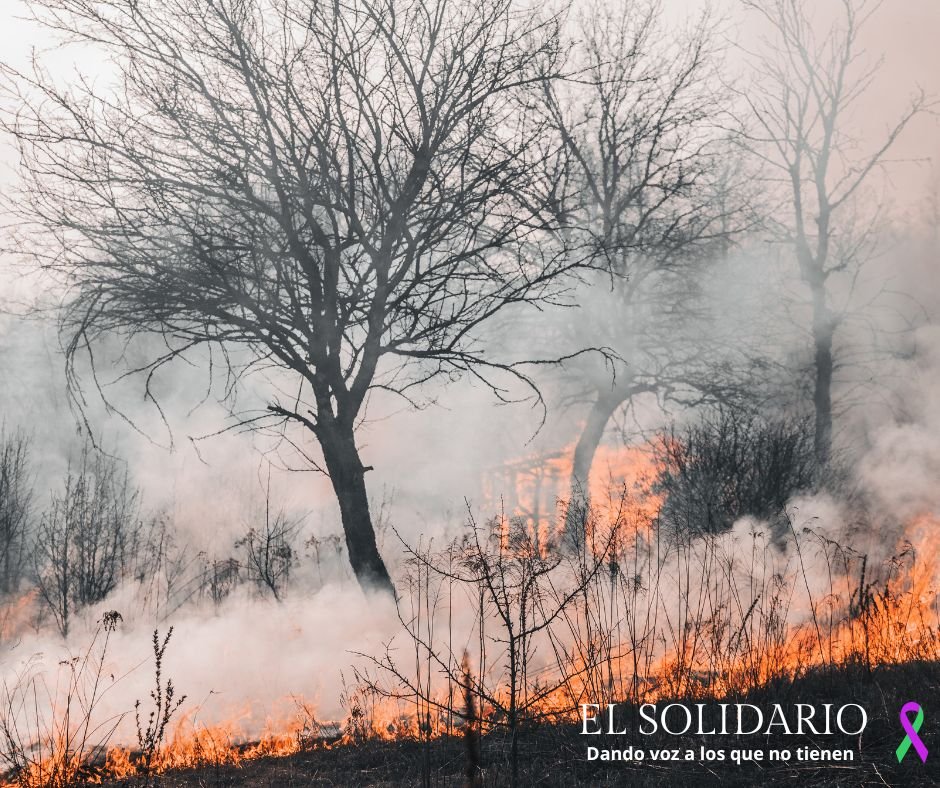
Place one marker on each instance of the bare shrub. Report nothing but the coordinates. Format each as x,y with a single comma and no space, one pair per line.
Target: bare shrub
269,552
638,615
16,496
326,552
730,464
86,541
164,567
152,734
520,587
219,577
269,555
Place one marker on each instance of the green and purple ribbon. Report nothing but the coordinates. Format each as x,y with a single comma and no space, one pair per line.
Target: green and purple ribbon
911,730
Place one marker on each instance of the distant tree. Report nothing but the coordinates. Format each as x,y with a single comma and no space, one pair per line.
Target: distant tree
808,82
348,191
16,495
649,197
163,564
87,539
269,554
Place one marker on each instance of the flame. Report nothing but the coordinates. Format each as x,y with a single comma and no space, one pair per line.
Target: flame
192,745
17,614
709,617
531,489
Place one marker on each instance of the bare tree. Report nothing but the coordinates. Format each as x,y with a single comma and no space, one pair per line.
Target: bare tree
218,578
16,495
86,541
808,82
348,191
163,565
650,197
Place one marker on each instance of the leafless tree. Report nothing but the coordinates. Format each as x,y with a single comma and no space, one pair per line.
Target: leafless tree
163,567
809,81
85,542
347,191
650,196
16,495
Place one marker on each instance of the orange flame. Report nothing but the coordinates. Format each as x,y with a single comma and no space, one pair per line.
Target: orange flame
707,640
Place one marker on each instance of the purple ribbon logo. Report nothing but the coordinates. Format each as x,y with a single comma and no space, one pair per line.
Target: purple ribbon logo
911,730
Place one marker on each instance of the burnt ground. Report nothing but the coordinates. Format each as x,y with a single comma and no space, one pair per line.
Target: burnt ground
554,755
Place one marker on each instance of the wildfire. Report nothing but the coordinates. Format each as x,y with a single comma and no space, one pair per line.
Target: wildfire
706,617
193,745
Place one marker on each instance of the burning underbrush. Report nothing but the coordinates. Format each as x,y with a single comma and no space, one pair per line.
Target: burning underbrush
516,623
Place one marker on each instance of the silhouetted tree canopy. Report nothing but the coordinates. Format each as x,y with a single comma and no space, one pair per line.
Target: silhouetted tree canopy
348,190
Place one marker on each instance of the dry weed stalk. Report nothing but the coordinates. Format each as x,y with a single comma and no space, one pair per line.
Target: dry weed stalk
50,736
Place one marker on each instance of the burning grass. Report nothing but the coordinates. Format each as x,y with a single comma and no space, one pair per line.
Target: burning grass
507,629
552,754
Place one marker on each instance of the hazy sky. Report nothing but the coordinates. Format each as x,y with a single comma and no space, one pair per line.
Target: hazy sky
903,32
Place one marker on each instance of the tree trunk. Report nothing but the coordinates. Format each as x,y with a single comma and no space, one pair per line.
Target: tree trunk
822,391
584,451
348,477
